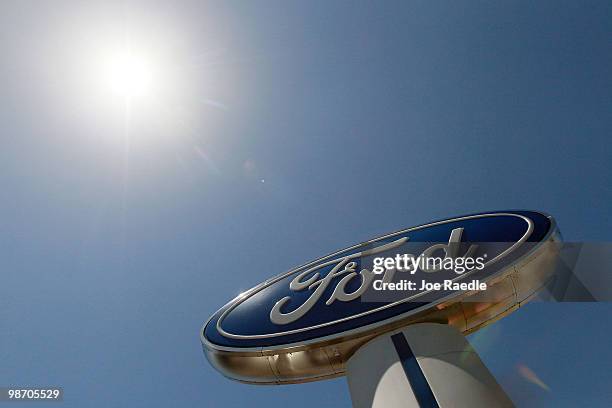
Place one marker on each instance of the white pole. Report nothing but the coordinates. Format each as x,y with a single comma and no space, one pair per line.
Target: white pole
422,365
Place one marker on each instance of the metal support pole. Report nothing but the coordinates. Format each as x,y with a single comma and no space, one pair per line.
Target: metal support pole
422,365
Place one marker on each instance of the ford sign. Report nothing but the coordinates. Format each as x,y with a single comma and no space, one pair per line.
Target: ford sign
304,324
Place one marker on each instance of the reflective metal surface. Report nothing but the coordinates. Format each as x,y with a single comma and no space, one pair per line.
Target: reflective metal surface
325,357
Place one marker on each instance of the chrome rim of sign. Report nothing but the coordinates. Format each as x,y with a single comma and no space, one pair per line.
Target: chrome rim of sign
303,325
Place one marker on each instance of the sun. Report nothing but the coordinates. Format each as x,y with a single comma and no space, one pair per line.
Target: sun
130,75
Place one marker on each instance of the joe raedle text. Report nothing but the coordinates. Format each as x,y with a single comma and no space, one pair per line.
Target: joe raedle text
423,285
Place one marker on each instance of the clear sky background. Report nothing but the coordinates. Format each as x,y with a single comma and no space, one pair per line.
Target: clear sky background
275,133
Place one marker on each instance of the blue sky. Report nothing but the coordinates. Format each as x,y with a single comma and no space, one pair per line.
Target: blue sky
281,132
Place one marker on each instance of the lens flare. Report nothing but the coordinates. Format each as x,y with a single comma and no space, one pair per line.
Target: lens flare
530,376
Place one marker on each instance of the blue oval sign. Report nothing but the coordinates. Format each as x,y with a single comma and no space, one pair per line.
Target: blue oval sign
337,293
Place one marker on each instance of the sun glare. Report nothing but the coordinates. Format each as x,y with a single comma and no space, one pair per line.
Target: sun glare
130,75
